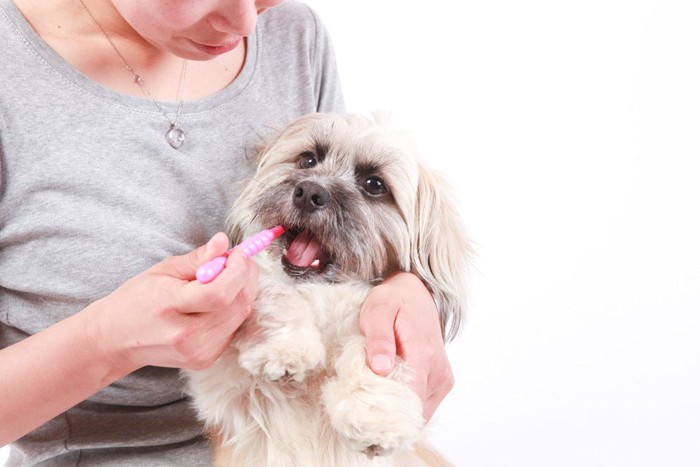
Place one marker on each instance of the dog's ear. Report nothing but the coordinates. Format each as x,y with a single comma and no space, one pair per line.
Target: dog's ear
235,234
239,217
440,250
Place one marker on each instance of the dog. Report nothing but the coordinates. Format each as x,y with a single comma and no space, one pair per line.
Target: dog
294,388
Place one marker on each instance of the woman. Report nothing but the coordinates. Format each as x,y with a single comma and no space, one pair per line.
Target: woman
125,128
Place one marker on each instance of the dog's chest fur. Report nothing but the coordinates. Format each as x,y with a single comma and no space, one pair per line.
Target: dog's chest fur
332,309
278,394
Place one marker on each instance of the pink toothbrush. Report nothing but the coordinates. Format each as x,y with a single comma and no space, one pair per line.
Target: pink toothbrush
207,272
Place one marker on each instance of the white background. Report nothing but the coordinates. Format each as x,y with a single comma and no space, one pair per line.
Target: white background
571,130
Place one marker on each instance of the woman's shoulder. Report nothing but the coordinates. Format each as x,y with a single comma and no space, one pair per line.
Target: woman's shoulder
292,10
291,16
295,27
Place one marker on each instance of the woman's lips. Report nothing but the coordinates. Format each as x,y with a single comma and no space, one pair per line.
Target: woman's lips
218,49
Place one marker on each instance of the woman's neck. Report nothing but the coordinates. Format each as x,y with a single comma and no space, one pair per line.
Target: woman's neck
69,29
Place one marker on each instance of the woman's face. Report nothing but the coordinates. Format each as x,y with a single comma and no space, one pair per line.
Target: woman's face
193,29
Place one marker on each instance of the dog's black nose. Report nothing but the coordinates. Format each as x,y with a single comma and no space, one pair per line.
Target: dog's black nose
310,196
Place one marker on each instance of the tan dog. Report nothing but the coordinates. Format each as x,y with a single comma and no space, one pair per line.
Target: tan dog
294,388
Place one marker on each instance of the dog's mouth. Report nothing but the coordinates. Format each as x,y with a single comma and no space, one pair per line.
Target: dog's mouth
304,254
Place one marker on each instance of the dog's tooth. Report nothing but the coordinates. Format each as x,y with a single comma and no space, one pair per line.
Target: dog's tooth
316,263
284,252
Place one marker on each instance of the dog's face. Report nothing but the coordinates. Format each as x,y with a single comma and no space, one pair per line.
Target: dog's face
355,204
341,191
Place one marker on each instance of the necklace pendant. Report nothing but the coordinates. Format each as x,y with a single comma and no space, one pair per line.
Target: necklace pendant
175,136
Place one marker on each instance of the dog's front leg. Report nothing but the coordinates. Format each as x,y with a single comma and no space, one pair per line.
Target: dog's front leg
376,414
281,341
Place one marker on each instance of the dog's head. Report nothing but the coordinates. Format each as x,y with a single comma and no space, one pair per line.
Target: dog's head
356,204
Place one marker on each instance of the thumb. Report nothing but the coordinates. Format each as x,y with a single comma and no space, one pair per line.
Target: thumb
377,325
185,266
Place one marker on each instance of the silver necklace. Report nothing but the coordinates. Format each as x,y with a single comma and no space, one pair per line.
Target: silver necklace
174,136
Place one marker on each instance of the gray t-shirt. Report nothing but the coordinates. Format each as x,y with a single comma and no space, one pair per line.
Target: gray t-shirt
91,194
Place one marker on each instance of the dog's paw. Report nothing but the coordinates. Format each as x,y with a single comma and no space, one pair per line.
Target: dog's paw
376,415
283,360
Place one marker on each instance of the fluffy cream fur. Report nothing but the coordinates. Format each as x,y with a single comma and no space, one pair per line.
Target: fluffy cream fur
294,388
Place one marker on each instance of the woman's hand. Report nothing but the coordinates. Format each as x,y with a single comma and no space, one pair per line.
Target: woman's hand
400,317
164,317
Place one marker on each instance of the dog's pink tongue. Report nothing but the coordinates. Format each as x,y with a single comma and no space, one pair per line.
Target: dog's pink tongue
303,250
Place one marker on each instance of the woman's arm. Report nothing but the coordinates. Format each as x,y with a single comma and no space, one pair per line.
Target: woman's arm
160,317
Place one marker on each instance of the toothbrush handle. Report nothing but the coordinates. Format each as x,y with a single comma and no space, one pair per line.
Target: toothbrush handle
250,246
208,271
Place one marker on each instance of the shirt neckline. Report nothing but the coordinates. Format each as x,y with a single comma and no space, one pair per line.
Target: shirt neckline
63,67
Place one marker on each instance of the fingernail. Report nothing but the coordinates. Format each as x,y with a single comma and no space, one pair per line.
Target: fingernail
382,363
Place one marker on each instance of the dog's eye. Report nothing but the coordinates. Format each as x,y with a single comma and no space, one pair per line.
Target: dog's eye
307,160
375,186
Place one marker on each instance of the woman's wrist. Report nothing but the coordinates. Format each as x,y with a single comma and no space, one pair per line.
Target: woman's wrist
112,358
